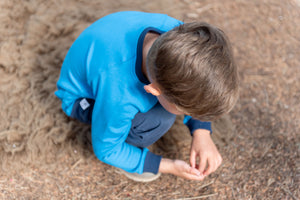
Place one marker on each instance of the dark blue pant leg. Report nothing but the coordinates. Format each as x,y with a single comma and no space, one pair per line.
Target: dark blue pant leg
148,127
83,110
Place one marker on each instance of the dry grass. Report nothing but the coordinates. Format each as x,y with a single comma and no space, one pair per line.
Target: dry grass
45,155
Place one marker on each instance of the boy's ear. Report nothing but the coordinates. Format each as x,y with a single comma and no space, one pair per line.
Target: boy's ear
152,89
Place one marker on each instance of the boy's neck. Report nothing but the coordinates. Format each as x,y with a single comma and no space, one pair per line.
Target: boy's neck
148,41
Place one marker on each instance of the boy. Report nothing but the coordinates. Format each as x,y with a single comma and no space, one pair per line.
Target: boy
130,73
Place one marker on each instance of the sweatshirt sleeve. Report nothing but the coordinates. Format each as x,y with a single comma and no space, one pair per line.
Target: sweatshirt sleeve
109,136
108,139
194,124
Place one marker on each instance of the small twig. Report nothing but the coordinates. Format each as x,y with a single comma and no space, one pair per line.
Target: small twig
77,163
288,192
205,8
60,188
203,186
198,197
233,194
267,96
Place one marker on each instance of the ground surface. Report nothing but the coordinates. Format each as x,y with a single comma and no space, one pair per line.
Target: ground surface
45,155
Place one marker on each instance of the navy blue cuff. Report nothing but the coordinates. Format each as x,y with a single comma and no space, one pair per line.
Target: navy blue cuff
152,163
194,124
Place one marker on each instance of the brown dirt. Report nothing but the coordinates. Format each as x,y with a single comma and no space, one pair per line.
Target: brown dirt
45,155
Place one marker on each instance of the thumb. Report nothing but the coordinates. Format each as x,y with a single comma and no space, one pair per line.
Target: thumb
194,171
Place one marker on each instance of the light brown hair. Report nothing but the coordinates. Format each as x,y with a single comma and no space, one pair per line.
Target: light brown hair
194,68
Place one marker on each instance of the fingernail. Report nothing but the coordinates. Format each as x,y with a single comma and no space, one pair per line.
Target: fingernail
197,173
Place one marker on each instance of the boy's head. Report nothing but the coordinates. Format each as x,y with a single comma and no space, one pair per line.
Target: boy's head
193,67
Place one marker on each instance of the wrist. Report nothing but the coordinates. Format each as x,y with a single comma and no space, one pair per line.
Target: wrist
166,166
201,132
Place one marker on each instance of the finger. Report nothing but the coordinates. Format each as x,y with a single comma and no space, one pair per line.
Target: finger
220,160
194,177
202,164
218,163
211,168
193,159
190,173
190,170
194,171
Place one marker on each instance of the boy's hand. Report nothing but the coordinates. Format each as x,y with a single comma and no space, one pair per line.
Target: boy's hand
204,148
180,168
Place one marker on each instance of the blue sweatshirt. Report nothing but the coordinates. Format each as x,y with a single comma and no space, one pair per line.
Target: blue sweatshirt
104,64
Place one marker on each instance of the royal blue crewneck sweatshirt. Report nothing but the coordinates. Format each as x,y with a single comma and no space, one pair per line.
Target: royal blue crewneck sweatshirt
104,64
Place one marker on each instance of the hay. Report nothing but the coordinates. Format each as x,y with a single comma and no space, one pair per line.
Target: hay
46,155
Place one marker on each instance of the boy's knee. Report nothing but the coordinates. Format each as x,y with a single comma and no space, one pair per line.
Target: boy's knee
146,130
